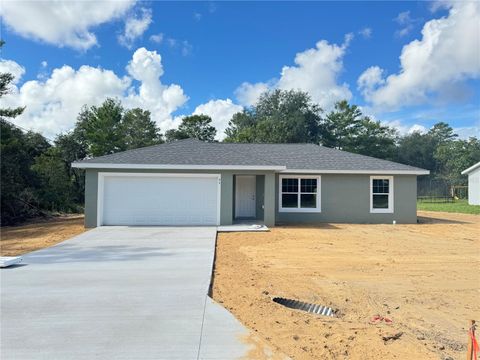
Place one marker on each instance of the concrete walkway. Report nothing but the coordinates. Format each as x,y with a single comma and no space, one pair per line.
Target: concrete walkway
118,293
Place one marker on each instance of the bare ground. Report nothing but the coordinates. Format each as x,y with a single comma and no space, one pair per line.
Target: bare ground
424,277
38,234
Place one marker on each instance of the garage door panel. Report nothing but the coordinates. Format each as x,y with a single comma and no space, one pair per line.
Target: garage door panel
160,200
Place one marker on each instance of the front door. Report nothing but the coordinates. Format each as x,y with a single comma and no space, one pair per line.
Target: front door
245,196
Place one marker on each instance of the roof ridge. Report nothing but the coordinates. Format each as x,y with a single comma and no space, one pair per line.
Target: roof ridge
247,143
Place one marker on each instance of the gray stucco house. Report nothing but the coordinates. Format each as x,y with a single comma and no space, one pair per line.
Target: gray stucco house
190,182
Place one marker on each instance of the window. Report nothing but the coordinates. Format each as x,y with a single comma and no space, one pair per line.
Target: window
381,194
299,193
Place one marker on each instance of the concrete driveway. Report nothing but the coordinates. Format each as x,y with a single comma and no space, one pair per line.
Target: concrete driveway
118,293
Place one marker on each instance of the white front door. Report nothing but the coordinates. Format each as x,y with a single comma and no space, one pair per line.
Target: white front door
245,196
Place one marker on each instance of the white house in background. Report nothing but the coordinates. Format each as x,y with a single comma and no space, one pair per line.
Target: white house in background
473,184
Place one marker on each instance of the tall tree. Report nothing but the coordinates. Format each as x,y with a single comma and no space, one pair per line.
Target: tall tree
346,128
55,190
109,128
71,147
418,149
18,182
100,128
193,126
454,156
441,132
5,80
278,117
17,151
138,130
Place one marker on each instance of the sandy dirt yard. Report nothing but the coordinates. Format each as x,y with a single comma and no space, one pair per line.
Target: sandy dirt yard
18,240
424,277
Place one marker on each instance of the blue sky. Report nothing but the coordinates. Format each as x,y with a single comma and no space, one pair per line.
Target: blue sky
197,55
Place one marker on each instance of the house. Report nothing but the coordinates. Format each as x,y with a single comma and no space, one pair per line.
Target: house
473,183
190,182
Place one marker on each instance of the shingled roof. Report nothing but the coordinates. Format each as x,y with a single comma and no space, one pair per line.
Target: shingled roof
195,154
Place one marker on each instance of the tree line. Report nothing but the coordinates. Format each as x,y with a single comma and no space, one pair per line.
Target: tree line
37,177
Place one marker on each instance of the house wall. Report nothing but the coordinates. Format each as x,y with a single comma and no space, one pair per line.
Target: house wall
474,187
345,198
260,196
226,201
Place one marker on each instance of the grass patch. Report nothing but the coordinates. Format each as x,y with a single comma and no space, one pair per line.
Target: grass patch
458,206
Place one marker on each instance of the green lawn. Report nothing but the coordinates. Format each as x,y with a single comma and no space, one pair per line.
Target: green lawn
459,206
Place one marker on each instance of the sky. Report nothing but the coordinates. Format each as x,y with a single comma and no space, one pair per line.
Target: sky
406,64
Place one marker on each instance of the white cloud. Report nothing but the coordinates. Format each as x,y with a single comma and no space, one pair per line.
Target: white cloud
445,56
44,63
406,22
157,38
221,112
186,48
162,100
417,128
53,104
369,80
61,23
172,42
197,16
467,132
315,71
135,26
248,94
405,129
463,132
366,32
183,46
10,66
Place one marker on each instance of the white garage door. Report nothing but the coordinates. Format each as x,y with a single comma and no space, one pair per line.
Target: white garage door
166,199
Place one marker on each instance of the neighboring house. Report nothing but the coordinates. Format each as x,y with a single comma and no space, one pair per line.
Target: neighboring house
473,184
190,182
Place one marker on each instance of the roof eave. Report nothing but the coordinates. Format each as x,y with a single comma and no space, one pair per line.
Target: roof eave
471,168
370,172
91,165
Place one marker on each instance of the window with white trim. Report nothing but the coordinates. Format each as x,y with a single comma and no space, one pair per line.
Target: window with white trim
381,194
299,193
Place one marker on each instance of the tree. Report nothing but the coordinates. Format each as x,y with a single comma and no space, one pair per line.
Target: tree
55,190
18,182
290,116
454,156
138,130
340,125
417,149
100,128
195,127
71,147
17,150
441,132
346,128
5,80
109,128
278,117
